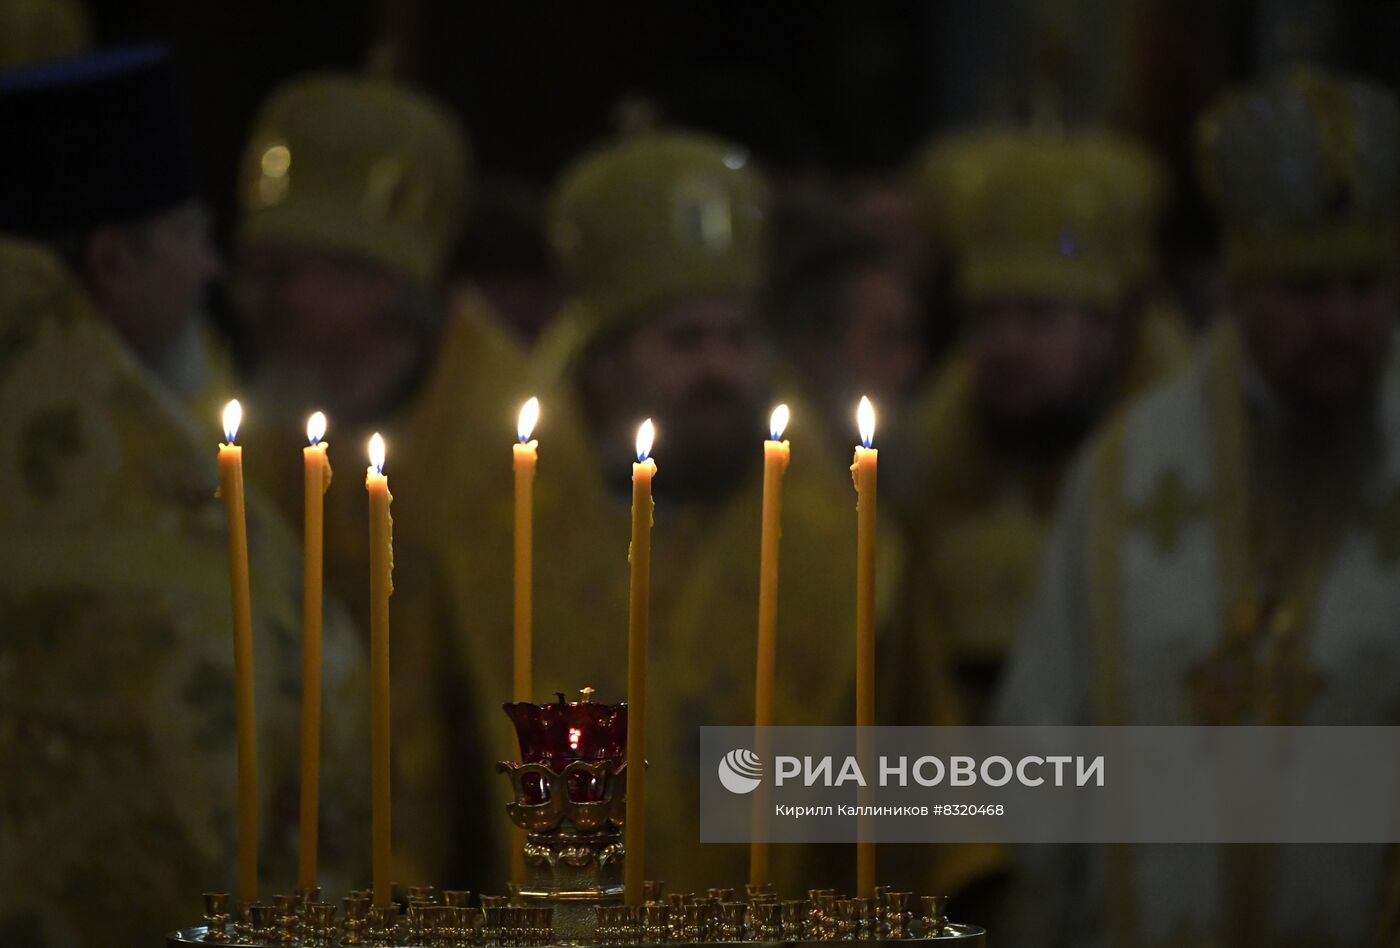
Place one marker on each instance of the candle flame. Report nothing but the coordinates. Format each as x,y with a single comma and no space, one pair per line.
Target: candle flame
778,421
316,427
575,734
233,415
376,453
865,419
529,415
646,434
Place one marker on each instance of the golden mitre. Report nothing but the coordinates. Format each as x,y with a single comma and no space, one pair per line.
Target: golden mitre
1041,213
358,165
1302,170
656,214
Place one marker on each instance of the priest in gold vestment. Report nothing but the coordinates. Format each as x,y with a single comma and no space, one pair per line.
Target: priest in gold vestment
1049,235
116,660
1228,550
353,190
663,234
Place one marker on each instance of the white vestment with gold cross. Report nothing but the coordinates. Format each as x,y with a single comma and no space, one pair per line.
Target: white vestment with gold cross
1145,613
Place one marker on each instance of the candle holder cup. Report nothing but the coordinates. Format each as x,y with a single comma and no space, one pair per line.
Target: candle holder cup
569,792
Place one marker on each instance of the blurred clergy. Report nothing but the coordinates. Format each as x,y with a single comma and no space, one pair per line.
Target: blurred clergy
663,235
101,170
116,655
1050,240
1228,553
353,190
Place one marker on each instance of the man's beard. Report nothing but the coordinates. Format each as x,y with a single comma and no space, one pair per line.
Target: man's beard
1334,379
341,388
1315,442
1045,433
716,433
1309,404
708,439
1326,450
709,474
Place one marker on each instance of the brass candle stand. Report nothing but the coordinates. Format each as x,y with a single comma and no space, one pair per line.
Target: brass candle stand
570,798
447,920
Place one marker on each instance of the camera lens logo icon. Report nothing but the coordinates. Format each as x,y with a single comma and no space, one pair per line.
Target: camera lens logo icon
740,771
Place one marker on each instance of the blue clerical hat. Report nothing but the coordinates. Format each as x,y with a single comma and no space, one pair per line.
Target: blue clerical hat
93,140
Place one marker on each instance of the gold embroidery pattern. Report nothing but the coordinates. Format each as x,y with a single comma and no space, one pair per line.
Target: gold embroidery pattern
1168,512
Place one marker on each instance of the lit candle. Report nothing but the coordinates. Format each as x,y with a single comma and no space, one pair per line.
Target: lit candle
317,470
525,458
526,455
639,555
775,462
381,586
231,490
863,472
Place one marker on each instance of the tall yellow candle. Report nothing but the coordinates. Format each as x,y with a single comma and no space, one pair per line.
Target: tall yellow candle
317,471
863,471
526,455
231,490
524,460
381,586
775,463
639,554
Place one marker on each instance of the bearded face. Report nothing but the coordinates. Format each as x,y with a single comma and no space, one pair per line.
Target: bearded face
700,369
1320,341
1044,368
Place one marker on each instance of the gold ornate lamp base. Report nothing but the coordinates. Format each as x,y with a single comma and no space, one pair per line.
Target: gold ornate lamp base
963,936
572,818
573,874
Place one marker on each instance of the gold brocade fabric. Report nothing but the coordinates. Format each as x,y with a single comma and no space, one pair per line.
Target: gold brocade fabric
116,657
977,551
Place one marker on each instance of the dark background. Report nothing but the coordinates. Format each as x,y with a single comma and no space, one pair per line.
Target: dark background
834,87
